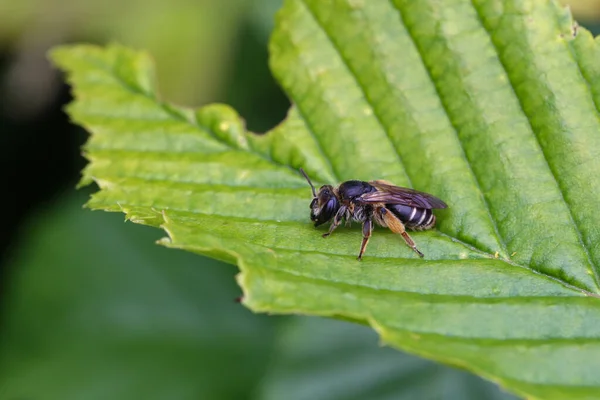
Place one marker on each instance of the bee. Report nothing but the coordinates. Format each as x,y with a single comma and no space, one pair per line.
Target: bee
372,202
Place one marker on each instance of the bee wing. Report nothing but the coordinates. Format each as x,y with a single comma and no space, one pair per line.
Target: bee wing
390,194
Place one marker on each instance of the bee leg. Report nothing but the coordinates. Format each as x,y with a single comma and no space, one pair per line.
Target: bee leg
397,226
367,229
350,210
337,220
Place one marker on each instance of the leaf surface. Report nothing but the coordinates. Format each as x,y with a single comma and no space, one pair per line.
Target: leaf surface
490,105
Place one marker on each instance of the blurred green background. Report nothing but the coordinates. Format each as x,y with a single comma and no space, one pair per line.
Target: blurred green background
90,307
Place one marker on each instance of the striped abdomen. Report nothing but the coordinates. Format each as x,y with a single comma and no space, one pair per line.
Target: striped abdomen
413,217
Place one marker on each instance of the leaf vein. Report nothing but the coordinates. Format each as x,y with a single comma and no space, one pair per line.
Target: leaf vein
455,129
362,88
530,342
195,123
554,174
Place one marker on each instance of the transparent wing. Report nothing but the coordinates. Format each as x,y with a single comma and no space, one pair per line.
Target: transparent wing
390,194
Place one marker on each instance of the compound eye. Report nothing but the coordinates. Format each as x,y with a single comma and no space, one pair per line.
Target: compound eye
327,211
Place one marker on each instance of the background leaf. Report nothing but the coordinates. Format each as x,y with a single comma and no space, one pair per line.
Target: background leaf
123,339
182,34
309,348
489,105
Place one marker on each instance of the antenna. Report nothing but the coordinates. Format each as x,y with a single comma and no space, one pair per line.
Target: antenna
314,192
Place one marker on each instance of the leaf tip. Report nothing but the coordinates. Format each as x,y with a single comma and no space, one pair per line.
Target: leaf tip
56,55
63,56
84,181
165,241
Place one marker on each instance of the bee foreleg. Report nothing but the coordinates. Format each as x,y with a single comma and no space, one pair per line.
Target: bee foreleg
397,226
367,229
337,220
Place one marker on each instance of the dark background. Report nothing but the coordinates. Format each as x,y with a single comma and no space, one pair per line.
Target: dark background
90,307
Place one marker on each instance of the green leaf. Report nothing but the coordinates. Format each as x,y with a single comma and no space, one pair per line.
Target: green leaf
491,105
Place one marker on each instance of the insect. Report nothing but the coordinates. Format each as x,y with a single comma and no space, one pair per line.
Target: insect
372,202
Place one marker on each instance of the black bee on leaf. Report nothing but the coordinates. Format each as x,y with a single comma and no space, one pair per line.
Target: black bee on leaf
371,202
